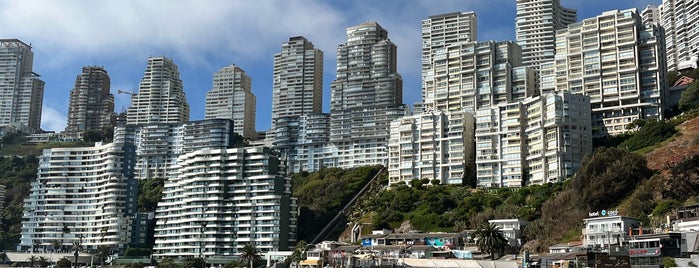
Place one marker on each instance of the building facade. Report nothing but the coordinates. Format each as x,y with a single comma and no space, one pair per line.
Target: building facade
538,140
617,62
607,230
231,98
21,90
85,195
439,32
432,145
298,80
535,24
157,146
160,97
234,197
302,141
91,105
474,75
366,96
679,18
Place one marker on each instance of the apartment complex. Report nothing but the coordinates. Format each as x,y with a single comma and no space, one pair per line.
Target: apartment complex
160,97
535,24
91,105
366,96
156,147
21,90
650,14
474,75
439,32
302,141
85,195
298,80
433,145
617,62
538,140
231,98
222,199
679,19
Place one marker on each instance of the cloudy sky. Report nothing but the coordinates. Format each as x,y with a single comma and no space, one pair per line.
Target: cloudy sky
203,36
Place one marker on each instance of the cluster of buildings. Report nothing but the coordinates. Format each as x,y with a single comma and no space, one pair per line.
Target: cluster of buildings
509,113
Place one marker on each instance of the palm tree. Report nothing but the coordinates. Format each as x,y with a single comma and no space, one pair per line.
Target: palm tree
43,261
77,247
250,254
490,240
32,260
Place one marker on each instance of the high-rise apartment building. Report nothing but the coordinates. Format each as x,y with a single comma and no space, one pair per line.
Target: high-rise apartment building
537,140
85,195
650,14
679,19
433,145
473,75
21,90
535,24
301,141
231,98
233,197
298,80
439,32
615,60
160,97
157,146
91,104
365,97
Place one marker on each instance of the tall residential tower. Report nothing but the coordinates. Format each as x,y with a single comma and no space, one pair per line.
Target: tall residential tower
679,18
439,32
160,97
91,105
21,90
536,23
232,98
298,80
366,96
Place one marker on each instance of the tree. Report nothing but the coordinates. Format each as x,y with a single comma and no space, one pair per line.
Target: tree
32,260
42,261
103,253
689,97
63,263
250,254
299,253
77,247
490,240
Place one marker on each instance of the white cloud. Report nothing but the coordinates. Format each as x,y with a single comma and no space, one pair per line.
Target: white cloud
52,119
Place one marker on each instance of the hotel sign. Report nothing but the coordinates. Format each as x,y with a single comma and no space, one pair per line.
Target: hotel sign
644,252
604,213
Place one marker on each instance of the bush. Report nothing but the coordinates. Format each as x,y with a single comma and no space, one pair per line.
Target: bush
651,133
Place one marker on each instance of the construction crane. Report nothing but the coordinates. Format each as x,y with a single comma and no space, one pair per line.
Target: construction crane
119,91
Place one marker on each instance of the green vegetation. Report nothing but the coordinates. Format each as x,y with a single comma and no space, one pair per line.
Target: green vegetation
250,254
690,98
150,191
321,195
490,240
651,132
16,174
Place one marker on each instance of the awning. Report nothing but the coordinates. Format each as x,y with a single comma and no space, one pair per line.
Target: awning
310,262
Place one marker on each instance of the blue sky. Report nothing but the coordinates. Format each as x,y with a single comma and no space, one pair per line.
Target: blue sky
204,36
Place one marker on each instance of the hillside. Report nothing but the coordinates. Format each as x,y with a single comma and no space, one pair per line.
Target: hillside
679,148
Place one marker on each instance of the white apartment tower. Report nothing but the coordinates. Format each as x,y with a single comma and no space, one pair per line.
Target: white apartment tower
439,32
298,80
85,195
679,19
222,199
537,140
433,145
160,97
21,90
474,75
617,62
91,104
650,14
365,97
535,24
231,98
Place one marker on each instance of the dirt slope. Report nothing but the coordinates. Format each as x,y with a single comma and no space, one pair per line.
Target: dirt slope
682,146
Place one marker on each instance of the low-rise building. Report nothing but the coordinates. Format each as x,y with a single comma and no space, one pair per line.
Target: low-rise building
512,229
607,229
